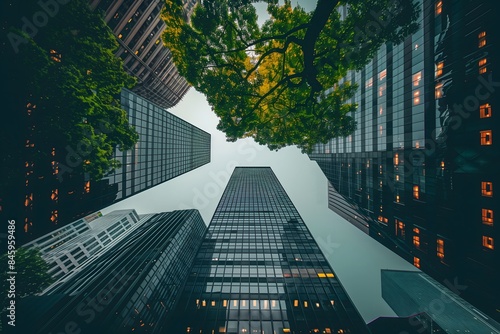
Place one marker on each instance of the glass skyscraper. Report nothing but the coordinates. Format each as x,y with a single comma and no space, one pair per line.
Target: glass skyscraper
131,286
422,163
259,270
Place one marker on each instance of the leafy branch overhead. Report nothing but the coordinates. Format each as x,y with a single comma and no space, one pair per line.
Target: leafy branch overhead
279,82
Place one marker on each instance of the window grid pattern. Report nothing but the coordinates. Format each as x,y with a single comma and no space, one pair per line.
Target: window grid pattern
259,269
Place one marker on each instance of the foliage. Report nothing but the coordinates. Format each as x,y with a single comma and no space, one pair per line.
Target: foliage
68,76
32,272
279,82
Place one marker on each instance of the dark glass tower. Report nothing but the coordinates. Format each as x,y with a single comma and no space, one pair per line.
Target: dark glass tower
138,26
130,287
259,270
422,163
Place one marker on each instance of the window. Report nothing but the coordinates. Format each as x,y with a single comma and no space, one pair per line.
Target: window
487,189
438,91
481,39
439,69
486,138
440,248
487,216
86,187
488,242
396,159
416,262
485,110
416,192
416,78
439,7
482,65
382,75
416,97
416,237
400,229
369,83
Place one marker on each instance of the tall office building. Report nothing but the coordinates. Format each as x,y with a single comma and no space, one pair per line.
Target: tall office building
422,162
54,196
138,27
259,270
129,287
412,292
68,247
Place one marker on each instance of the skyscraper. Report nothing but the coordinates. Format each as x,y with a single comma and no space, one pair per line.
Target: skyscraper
422,163
167,147
138,26
259,269
129,287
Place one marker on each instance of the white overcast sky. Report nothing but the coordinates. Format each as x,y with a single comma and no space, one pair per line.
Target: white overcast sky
355,257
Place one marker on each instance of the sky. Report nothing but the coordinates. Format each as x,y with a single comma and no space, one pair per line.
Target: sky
355,257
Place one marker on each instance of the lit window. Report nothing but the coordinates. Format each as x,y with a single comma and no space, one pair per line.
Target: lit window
416,192
212,303
416,97
397,198
369,83
400,229
487,189
382,75
53,216
416,78
439,7
396,159
486,138
485,110
204,303
305,303
86,187
381,90
482,65
487,216
439,69
224,303
416,241
481,39
488,242
416,262
438,91
440,248
296,303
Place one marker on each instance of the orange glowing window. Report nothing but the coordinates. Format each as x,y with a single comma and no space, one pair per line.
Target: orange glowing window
416,262
86,187
53,216
416,97
439,68
296,303
54,195
482,65
488,242
438,90
416,192
416,241
397,198
396,159
487,216
486,138
487,189
485,110
224,303
483,70
440,248
481,39
400,229
417,77
439,7
483,62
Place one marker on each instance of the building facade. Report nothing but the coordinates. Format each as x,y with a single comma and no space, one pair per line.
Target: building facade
421,163
130,287
259,270
412,292
138,27
54,196
68,247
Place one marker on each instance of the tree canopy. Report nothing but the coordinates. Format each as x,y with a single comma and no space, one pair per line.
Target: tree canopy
64,83
279,82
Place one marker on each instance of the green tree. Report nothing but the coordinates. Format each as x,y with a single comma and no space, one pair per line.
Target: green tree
279,82
67,75
31,272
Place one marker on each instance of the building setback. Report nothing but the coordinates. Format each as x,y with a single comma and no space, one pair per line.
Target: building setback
422,161
412,292
138,27
259,270
130,287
